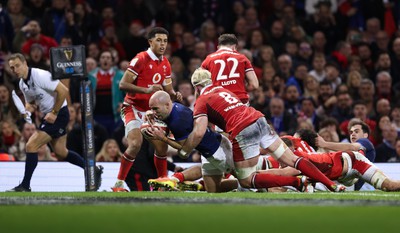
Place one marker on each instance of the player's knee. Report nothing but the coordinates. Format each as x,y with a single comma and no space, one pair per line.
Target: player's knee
280,150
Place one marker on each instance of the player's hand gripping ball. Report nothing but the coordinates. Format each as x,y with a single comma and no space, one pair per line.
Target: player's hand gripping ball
145,128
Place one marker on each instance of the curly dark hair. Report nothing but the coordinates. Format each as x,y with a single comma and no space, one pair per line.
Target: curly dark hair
308,136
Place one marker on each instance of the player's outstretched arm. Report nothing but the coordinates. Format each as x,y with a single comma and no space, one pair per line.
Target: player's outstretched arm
337,146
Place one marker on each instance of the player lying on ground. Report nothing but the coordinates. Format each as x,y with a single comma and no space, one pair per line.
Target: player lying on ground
348,166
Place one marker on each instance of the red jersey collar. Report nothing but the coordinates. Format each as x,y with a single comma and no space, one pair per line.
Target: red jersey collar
153,56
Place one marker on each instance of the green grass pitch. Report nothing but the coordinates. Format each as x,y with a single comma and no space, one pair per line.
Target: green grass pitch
138,212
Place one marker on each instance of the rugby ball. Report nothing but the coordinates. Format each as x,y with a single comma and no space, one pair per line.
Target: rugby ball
157,124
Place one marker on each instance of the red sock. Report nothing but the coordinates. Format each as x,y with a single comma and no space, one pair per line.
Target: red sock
263,180
179,176
161,165
124,167
308,169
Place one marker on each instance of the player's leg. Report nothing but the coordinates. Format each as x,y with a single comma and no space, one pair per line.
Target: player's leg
62,153
38,139
133,121
160,157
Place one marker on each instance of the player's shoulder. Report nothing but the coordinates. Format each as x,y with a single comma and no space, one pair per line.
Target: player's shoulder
37,73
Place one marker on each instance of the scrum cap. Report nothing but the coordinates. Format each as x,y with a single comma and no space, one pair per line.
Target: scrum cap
201,77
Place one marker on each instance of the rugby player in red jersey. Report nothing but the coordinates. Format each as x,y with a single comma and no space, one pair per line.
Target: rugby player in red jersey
149,71
347,166
248,130
231,69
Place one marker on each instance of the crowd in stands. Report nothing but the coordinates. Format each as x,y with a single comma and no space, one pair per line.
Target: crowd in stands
320,63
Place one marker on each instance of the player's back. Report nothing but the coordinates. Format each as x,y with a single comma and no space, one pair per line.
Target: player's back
224,109
180,123
228,69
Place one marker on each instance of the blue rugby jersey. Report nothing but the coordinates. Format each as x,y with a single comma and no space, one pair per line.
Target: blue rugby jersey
180,122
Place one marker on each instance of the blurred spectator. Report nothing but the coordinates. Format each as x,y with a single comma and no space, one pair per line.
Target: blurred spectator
91,64
353,83
105,82
396,159
17,14
277,38
36,58
305,53
10,134
342,54
187,49
110,40
292,98
6,26
311,88
18,149
395,59
86,23
384,86
312,6
300,73
58,20
133,10
136,41
386,150
257,38
373,26
291,48
324,20
8,111
33,35
395,116
326,99
258,99
208,35
74,137
285,65
266,57
178,68
109,152
4,53
200,50
282,121
186,89
240,29
365,53
332,75
307,112
319,43
353,12
318,67
44,154
93,50
382,107
36,8
342,111
383,122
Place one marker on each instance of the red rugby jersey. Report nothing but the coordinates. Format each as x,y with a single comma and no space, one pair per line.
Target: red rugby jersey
224,109
149,70
228,69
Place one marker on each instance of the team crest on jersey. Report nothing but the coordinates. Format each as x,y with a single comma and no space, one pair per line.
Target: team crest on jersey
133,62
165,68
151,66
